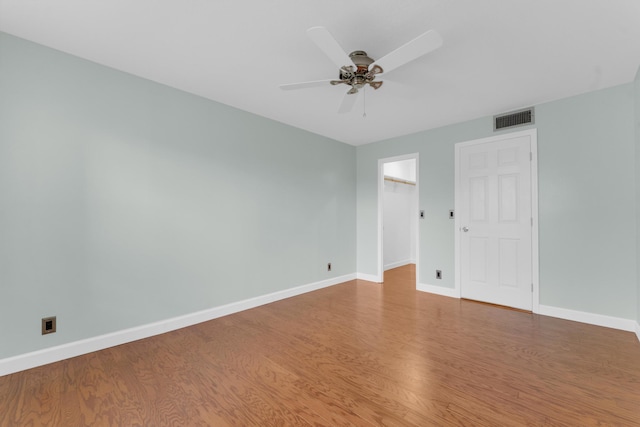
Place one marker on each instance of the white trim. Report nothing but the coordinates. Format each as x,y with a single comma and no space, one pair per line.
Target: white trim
535,250
457,202
535,256
560,313
369,277
399,264
590,318
439,290
54,354
380,254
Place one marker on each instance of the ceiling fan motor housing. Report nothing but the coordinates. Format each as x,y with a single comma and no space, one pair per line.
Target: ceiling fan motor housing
362,61
361,75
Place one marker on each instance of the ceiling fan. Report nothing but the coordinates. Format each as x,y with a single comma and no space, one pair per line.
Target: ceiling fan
358,70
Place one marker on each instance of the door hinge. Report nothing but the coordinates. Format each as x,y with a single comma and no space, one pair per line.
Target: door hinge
532,287
531,156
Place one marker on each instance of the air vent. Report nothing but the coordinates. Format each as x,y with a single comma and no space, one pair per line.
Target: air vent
513,119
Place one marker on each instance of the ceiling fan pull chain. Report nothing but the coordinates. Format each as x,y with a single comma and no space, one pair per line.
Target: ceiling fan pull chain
364,103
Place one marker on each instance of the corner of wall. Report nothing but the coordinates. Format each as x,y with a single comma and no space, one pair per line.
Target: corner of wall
439,290
636,97
369,277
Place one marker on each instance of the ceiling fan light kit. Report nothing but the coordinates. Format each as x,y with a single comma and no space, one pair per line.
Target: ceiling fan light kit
360,76
357,69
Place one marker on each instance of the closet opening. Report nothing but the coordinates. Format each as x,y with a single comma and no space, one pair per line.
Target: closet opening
398,213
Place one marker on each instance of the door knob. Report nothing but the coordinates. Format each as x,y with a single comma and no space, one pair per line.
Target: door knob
465,229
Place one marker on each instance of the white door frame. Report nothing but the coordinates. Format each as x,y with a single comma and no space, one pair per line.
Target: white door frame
533,134
381,162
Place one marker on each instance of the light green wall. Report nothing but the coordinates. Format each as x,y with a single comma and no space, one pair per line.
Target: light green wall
587,211
637,130
124,202
586,169
436,148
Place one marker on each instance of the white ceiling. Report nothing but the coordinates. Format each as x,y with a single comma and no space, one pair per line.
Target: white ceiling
498,55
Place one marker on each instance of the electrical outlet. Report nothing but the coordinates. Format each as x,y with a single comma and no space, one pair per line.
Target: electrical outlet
328,266
48,325
438,274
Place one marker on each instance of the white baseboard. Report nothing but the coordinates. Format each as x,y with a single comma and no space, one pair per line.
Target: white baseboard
561,313
65,351
590,318
438,290
369,277
399,264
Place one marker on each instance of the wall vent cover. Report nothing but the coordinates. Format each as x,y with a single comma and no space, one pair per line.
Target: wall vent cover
513,119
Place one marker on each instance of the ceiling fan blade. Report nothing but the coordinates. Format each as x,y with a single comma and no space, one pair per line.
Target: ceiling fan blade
328,44
421,45
348,101
304,85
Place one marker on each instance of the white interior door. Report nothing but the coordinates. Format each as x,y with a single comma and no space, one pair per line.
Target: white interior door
496,221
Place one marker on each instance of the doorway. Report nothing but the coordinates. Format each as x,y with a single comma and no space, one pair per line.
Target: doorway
496,228
398,213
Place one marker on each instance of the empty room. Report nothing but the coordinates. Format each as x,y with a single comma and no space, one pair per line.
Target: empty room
320,213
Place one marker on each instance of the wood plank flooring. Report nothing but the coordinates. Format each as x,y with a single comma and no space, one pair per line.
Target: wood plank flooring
355,354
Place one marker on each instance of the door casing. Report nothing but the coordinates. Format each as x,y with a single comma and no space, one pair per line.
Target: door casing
532,133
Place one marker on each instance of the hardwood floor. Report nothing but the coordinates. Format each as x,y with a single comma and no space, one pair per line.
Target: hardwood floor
358,353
